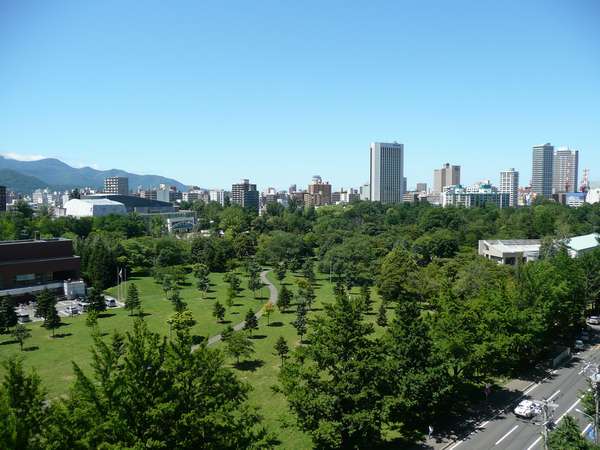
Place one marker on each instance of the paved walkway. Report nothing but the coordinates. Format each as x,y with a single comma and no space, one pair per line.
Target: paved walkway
240,326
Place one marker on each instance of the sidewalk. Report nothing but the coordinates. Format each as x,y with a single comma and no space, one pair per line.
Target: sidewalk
497,402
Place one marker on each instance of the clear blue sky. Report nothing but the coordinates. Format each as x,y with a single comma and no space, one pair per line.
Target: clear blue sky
276,91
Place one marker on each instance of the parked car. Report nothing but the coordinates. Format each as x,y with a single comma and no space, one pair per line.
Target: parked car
111,303
593,320
528,409
23,317
72,310
579,345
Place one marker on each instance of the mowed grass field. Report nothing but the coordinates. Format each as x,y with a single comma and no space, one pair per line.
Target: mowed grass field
53,357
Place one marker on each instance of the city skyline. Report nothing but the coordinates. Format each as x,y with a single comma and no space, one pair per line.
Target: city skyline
295,91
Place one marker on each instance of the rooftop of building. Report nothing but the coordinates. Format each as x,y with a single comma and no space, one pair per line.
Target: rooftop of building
97,201
514,245
30,241
129,200
585,242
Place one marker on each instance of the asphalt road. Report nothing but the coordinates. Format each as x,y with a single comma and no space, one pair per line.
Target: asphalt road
563,387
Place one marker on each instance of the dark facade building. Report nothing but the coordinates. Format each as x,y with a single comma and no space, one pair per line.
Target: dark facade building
245,195
31,265
2,198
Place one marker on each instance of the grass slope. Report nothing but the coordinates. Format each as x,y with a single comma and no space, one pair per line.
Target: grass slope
52,357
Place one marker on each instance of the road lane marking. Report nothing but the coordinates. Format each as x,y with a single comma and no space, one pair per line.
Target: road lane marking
553,395
585,430
568,411
456,445
530,389
483,424
535,443
506,435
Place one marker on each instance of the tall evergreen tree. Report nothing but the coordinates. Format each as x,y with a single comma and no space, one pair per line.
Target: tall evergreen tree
52,322
8,315
132,301
300,323
23,398
43,302
281,348
251,322
285,298
96,300
333,383
21,333
218,312
382,316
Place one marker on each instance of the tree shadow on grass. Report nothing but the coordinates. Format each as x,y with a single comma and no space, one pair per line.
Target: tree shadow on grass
12,341
316,309
209,297
31,349
105,315
62,335
262,297
258,336
225,321
276,324
250,365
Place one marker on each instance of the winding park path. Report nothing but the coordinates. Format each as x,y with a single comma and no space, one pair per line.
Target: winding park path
240,326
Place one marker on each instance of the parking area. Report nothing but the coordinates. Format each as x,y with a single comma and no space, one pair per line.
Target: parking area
65,308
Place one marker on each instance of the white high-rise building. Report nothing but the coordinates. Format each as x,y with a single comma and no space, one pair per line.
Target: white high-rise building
365,192
387,172
565,168
509,184
217,195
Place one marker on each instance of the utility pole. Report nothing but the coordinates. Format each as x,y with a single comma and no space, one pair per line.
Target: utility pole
595,379
547,419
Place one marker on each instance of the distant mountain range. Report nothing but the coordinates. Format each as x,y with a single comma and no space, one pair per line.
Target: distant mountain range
26,176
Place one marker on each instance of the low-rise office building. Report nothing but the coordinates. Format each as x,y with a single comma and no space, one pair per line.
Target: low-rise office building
516,251
474,196
510,251
28,266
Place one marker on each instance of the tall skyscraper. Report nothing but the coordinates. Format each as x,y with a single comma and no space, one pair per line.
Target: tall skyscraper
565,170
421,187
116,185
509,184
2,198
541,174
446,176
245,195
387,172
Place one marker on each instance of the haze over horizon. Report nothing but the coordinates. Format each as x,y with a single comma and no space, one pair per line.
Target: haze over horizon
280,92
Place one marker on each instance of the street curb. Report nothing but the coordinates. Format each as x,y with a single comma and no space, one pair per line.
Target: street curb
507,406
494,415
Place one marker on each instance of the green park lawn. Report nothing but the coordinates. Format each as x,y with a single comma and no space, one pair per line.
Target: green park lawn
52,357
